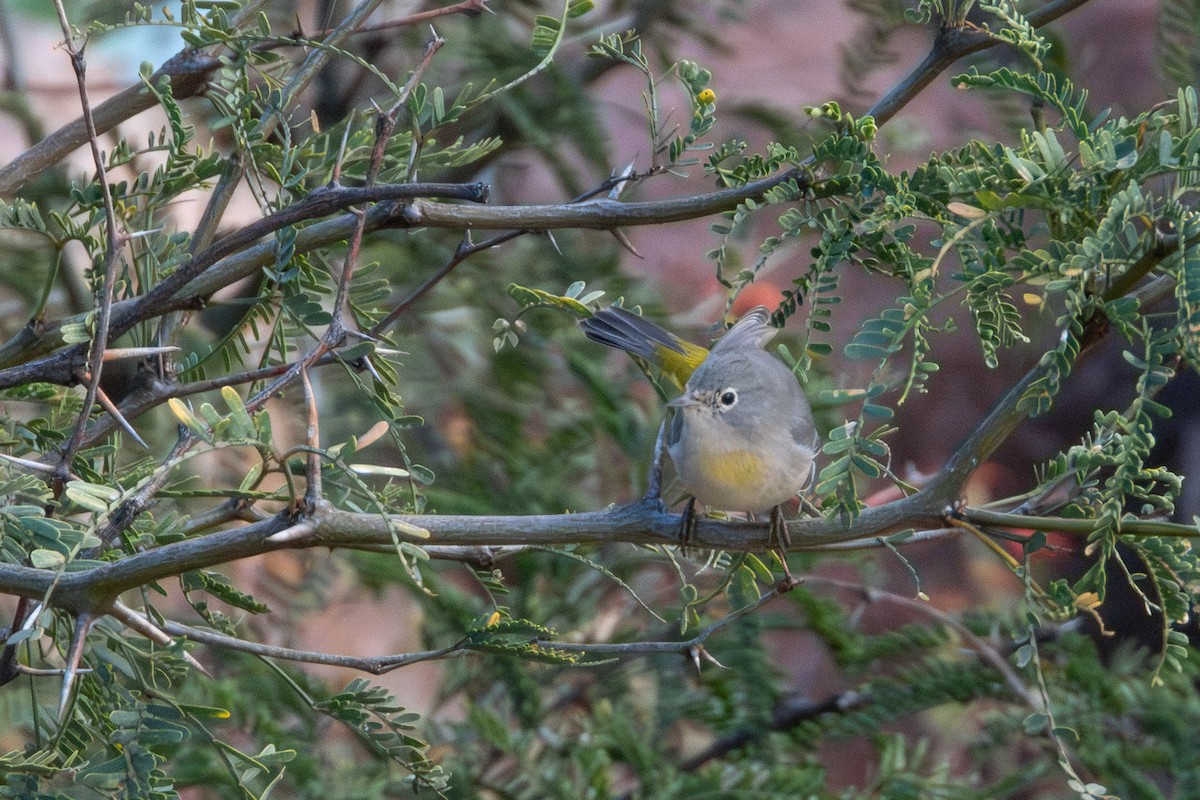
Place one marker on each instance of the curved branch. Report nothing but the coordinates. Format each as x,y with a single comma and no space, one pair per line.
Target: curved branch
1006,414
375,665
319,203
950,45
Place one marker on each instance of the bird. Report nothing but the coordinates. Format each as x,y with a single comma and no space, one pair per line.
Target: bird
741,435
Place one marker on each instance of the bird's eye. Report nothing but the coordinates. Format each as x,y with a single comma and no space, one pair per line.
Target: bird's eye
728,398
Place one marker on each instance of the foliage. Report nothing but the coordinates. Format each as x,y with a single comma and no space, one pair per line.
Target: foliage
374,361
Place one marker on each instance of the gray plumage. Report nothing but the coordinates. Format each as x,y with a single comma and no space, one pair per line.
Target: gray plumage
742,436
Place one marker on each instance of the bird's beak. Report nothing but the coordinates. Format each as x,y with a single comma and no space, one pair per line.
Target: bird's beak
686,401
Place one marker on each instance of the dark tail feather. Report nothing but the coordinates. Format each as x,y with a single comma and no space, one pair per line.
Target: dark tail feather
624,330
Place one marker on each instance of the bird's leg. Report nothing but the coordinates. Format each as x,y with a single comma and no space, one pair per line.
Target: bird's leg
654,481
777,533
779,540
687,524
807,507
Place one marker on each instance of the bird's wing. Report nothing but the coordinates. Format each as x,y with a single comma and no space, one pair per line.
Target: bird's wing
752,330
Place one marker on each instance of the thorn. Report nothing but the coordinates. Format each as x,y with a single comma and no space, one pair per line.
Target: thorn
336,176
35,466
626,174
357,334
294,533
74,655
707,656
140,234
366,362
32,619
620,236
553,241
115,353
140,623
111,408
694,651
698,653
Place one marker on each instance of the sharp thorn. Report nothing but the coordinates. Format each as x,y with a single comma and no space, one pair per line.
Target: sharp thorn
111,408
74,655
140,623
620,236
115,353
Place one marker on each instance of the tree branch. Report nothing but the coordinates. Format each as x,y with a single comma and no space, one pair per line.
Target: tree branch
234,257
643,522
187,71
949,46
114,240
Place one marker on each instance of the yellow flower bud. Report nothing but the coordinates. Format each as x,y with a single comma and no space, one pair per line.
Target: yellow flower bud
706,97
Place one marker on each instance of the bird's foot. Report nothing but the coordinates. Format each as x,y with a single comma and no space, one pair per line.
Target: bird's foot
779,540
687,524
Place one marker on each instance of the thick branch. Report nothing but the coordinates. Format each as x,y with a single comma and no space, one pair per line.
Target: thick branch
644,522
188,73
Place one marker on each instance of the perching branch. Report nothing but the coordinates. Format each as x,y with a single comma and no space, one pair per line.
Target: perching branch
642,522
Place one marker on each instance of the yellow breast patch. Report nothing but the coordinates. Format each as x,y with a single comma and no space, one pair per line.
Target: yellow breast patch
738,469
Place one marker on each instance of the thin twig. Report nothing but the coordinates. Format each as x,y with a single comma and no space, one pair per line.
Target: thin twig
380,664
466,7
374,665
985,651
113,244
787,715
336,332
688,647
312,490
140,623
122,516
1081,527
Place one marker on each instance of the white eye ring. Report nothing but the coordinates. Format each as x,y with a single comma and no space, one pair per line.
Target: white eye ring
728,398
